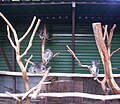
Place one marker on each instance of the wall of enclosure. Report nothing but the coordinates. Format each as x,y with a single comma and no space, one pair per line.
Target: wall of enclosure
60,36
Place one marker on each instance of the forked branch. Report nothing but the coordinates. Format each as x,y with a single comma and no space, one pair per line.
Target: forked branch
11,27
16,46
31,39
105,32
28,30
111,34
35,90
103,82
105,55
13,45
79,63
28,61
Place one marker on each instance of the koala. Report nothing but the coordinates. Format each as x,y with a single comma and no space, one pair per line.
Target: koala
37,68
42,35
94,70
48,55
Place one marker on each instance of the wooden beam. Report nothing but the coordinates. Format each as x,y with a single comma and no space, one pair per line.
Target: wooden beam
18,74
66,94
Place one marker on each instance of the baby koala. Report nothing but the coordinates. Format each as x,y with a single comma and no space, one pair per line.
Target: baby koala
38,68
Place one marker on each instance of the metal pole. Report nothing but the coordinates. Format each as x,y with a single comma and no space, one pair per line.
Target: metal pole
73,43
73,33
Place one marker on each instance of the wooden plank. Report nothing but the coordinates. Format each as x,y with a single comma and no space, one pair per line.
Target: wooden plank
8,73
68,94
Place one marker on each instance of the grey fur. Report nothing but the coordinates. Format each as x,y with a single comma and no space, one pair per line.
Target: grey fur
37,68
94,70
48,55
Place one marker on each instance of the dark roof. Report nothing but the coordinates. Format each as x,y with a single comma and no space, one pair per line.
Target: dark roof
60,11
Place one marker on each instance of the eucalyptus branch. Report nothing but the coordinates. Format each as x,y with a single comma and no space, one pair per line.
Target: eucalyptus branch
104,52
56,54
16,46
103,85
11,42
114,51
105,32
101,82
110,38
111,34
79,63
28,30
43,43
31,39
28,61
38,87
11,27
15,97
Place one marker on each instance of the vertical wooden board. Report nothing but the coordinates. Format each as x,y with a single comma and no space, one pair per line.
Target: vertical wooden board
93,87
67,87
52,88
78,87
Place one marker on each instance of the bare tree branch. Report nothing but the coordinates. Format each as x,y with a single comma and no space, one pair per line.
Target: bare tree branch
56,54
110,38
111,34
11,27
28,30
43,43
103,85
36,92
105,55
72,53
38,87
28,61
13,96
114,51
101,82
105,32
13,45
31,39
17,47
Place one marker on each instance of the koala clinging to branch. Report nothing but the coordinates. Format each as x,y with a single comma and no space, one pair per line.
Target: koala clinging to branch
94,70
42,34
39,67
48,55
